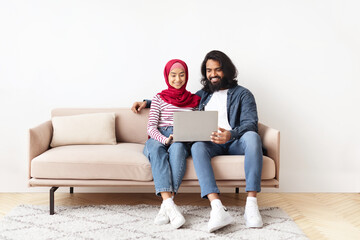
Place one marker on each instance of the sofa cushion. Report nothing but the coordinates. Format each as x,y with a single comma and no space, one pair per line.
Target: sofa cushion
124,161
129,127
95,128
231,167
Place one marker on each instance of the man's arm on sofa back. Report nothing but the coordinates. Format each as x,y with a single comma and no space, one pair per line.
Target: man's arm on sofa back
39,140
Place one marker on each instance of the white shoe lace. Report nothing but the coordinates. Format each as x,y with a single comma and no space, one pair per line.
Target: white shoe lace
173,213
215,215
252,212
161,217
162,213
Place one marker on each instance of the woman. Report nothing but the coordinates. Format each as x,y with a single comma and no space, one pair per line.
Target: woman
168,160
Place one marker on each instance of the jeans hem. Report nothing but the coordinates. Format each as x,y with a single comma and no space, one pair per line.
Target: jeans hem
176,189
258,189
204,194
158,191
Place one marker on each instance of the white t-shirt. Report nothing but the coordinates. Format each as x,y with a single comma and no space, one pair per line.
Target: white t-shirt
218,102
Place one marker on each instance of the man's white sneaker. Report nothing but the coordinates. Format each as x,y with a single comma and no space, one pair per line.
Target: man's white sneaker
161,218
175,216
252,216
219,218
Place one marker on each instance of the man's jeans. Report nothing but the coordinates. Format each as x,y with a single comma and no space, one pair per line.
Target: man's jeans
168,163
249,145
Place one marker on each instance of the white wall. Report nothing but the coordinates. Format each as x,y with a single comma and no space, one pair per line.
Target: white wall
300,59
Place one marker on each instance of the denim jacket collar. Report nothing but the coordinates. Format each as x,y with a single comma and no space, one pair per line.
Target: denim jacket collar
207,96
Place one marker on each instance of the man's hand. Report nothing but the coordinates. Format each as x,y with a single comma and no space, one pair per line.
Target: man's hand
138,106
220,137
169,140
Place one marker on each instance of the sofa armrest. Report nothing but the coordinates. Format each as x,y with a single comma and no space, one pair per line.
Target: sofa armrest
270,138
39,140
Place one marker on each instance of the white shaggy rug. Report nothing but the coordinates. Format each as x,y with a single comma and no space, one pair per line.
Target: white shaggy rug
136,222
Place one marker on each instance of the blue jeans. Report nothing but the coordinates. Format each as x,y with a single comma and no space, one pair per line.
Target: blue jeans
168,163
249,145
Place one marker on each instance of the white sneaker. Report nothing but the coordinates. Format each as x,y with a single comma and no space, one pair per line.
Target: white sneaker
219,218
161,218
252,216
175,216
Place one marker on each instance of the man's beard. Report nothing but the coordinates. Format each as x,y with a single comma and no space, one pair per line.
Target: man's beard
214,87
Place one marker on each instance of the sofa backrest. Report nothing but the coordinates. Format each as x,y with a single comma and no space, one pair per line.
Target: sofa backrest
129,127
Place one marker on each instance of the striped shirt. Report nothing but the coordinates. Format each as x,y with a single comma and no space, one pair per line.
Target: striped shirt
161,115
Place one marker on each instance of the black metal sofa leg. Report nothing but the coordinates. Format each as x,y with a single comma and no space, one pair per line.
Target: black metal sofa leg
71,189
52,190
237,190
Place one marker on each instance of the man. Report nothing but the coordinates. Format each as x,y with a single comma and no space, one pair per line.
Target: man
237,135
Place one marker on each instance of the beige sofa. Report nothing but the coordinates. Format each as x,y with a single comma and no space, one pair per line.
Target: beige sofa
123,164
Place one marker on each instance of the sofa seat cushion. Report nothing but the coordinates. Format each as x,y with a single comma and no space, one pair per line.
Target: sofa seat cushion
123,161
126,161
231,167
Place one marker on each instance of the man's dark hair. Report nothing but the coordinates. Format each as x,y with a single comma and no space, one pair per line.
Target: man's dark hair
230,72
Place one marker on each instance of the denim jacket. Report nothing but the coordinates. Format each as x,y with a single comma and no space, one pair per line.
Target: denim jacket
241,110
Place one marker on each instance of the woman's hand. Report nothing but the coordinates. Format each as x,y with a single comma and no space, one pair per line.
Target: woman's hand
221,137
138,106
169,140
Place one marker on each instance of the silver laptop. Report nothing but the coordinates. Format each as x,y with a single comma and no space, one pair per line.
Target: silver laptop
194,125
